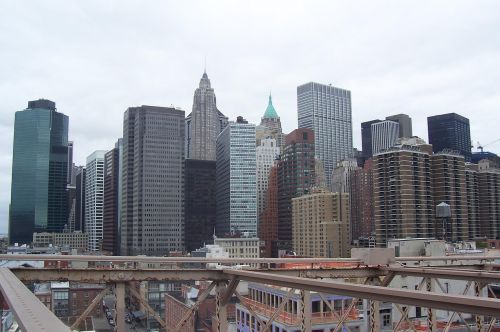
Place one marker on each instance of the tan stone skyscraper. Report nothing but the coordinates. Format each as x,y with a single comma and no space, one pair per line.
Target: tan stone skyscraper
320,224
204,123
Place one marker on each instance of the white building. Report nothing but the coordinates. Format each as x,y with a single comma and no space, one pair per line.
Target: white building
94,199
267,153
327,111
240,247
236,192
384,135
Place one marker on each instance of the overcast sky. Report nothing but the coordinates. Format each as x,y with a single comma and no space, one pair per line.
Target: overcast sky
96,58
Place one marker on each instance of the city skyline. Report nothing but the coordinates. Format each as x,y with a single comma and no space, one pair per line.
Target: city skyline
77,66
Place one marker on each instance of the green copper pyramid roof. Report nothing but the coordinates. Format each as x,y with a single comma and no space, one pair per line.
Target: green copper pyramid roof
270,111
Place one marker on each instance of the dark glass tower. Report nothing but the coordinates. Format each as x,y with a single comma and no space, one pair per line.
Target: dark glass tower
200,202
450,131
366,138
39,172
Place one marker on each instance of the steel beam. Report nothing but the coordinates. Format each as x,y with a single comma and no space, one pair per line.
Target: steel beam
30,313
220,308
114,275
175,260
454,274
94,275
120,306
449,302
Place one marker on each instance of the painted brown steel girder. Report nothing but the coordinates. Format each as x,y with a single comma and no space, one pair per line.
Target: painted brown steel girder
482,306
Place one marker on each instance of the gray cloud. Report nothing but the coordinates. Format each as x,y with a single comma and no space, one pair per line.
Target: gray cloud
97,58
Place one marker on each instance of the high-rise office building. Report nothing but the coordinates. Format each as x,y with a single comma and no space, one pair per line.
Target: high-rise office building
450,131
270,126
112,199
449,186
236,179
268,226
267,153
152,218
296,177
405,127
384,135
80,200
321,224
403,204
39,172
366,138
204,123
200,200
327,111
94,199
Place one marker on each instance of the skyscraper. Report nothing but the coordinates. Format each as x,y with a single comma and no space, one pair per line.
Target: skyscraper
267,153
268,225
384,135
152,218
39,172
450,131
200,200
296,176
204,123
236,179
80,199
327,111
403,204
405,128
366,138
270,126
94,199
112,199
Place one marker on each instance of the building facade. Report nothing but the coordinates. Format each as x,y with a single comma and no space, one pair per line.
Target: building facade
361,202
489,199
94,199
236,179
204,123
268,226
321,225
152,217
72,240
450,131
39,172
200,200
267,154
112,199
404,121
80,199
366,138
327,111
449,186
296,177
403,204
265,300
384,135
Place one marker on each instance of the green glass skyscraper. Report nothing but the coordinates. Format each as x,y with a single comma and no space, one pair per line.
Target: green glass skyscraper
39,170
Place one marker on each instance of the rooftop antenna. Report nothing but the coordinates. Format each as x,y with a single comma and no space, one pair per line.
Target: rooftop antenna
205,67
